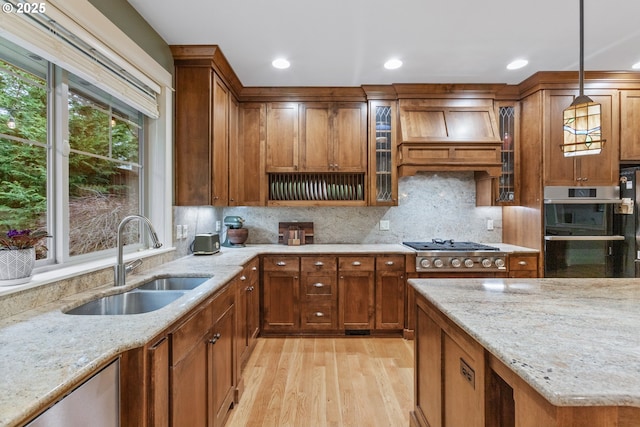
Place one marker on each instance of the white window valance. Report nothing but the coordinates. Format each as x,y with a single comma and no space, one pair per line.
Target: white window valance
73,35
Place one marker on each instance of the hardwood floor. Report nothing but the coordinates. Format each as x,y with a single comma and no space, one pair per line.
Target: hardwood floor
316,382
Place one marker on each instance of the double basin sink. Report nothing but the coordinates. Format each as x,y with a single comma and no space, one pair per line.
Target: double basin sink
149,296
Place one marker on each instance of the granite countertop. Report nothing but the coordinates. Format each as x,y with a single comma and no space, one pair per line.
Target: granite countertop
575,341
45,353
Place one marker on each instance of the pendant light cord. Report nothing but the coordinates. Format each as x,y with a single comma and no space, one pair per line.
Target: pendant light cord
581,76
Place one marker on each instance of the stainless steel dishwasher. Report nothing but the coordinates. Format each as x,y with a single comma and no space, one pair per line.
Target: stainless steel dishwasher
95,403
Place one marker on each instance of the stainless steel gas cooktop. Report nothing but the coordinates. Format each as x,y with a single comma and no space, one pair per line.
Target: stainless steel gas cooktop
449,255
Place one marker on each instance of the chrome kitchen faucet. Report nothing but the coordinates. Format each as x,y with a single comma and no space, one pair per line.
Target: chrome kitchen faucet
121,269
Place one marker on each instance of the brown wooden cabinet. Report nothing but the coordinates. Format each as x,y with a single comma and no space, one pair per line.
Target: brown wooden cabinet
201,135
282,137
356,289
281,294
202,364
523,265
247,318
221,363
333,137
247,178
450,372
390,292
383,171
189,367
158,389
601,169
629,125
319,301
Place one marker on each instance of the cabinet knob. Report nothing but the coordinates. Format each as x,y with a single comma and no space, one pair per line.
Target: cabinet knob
319,314
319,264
215,338
318,285
281,263
243,278
356,263
249,288
254,268
389,262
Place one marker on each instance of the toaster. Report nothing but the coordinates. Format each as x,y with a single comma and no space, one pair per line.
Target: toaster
206,244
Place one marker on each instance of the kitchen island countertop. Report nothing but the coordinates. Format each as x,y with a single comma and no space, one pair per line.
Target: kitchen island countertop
575,341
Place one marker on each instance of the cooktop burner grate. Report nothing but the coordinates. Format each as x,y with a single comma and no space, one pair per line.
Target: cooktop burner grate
449,245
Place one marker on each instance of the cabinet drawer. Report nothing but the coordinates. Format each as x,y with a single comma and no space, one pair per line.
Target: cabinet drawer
319,286
319,315
251,271
390,263
523,263
281,263
189,334
318,263
356,263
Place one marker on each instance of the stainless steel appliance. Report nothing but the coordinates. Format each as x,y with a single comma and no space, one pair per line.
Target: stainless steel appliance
627,223
579,234
206,244
448,256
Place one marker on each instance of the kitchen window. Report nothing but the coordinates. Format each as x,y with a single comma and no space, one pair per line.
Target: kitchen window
71,158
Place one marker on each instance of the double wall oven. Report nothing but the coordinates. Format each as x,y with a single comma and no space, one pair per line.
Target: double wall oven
579,238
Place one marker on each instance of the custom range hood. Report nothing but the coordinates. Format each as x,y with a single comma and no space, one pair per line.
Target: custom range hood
449,134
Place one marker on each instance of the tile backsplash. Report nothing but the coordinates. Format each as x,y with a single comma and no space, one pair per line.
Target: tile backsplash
431,205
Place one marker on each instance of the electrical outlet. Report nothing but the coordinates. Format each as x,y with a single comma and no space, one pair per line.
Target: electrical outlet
178,232
490,224
384,225
185,231
218,225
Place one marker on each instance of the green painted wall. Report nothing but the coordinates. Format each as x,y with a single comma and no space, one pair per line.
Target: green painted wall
125,17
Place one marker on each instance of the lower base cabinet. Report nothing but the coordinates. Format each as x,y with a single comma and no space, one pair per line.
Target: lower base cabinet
450,373
202,374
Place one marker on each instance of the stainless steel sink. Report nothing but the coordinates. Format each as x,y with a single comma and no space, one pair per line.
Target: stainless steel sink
132,302
173,284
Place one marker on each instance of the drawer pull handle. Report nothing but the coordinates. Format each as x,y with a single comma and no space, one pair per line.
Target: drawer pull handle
243,277
319,314
356,263
215,338
522,262
319,264
318,285
249,288
281,263
389,262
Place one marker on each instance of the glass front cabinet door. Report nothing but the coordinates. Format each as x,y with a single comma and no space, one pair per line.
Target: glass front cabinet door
383,179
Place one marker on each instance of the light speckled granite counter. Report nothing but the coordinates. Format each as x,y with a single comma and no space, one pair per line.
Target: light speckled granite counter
576,341
44,352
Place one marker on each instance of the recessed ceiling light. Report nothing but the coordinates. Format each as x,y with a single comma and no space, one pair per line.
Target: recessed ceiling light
281,63
392,64
636,66
517,64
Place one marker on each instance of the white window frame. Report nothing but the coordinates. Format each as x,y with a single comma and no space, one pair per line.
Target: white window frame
106,37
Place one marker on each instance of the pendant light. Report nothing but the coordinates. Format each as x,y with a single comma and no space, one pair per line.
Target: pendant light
582,119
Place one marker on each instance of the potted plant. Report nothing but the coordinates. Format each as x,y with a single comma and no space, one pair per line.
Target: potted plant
18,250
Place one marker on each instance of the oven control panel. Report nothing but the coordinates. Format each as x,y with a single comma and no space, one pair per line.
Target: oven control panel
461,263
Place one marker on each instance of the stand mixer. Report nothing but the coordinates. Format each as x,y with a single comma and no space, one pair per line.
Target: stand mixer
236,235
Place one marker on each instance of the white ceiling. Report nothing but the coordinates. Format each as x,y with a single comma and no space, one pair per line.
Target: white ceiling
346,42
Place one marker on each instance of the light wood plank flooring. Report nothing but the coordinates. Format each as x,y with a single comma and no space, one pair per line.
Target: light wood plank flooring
317,382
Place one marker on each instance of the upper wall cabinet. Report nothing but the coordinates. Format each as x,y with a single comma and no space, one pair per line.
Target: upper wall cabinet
205,111
601,169
316,137
449,134
629,125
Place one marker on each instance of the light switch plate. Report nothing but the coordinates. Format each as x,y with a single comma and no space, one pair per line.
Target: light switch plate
178,232
384,224
489,224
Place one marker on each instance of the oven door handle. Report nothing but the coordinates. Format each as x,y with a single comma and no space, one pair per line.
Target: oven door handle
584,238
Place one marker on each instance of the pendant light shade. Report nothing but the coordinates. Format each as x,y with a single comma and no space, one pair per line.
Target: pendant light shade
582,119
